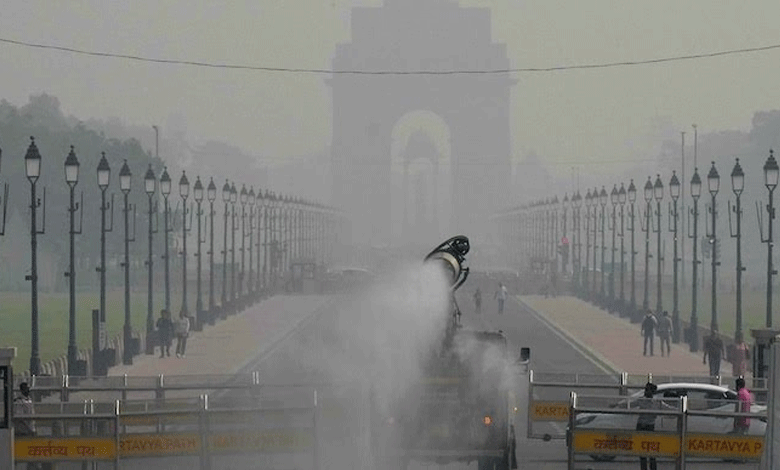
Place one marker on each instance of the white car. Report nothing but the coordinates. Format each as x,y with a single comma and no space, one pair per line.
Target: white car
701,397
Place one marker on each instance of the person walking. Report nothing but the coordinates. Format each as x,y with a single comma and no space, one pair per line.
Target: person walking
740,355
478,301
744,401
165,332
182,333
649,324
646,421
713,349
665,332
501,295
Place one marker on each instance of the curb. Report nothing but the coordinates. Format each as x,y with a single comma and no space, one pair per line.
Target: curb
596,358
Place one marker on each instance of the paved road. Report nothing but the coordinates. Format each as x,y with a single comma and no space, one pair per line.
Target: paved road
339,348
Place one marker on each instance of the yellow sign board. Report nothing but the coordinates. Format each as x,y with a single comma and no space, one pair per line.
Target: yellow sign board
724,446
549,411
264,441
147,445
74,448
627,443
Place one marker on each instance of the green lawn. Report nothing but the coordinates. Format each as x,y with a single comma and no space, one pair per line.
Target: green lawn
53,320
753,305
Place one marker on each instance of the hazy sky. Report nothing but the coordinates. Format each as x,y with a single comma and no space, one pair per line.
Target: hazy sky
612,114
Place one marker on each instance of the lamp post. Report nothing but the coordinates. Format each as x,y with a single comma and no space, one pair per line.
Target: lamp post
771,172
588,204
658,192
595,203
632,217
738,185
233,227
613,199
72,178
565,253
165,190
267,220
258,241
621,199
577,242
243,196
713,184
197,194
647,229
184,192
603,197
674,191
104,175
211,195
32,160
150,186
694,214
125,177
226,199
251,202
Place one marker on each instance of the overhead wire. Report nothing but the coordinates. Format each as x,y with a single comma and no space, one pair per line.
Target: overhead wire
304,70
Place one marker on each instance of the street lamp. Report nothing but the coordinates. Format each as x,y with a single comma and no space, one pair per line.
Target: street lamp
738,185
211,195
197,194
258,271
184,192
243,196
577,243
251,202
125,177
165,190
226,199
621,197
771,173
72,178
674,191
632,217
588,205
658,192
695,194
647,229
713,184
565,254
603,197
613,198
233,227
32,162
150,186
103,177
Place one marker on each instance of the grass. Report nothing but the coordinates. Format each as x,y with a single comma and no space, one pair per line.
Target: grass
753,305
53,320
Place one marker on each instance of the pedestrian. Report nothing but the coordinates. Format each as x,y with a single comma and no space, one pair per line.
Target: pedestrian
665,332
745,400
478,301
182,332
646,421
649,324
740,355
23,405
713,349
501,295
165,332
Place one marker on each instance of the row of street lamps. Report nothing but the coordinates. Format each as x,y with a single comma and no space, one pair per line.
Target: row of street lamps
532,228
286,228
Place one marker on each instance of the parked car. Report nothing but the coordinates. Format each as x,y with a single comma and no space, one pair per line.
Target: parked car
701,396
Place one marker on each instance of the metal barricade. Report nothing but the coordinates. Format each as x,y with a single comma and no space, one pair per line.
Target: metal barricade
607,427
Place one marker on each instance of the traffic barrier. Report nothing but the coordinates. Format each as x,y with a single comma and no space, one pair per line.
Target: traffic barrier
677,444
189,427
548,394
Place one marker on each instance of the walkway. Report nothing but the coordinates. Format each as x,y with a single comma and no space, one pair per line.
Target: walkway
613,342
227,346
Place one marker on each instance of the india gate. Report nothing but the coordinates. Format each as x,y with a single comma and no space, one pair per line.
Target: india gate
420,155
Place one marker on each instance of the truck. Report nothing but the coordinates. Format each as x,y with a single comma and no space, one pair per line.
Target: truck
462,407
